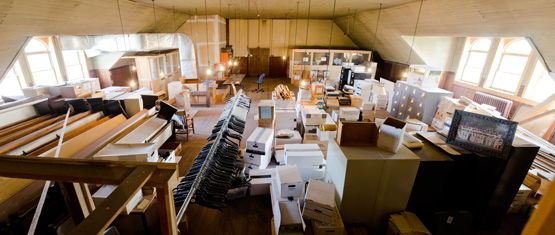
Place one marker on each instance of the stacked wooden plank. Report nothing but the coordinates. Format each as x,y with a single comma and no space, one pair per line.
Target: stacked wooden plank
282,92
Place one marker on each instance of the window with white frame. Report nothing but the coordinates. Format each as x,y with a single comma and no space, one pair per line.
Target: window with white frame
506,67
75,64
13,82
41,63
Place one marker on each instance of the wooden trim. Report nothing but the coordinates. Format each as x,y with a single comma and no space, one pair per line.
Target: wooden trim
166,209
109,209
496,93
40,133
536,117
24,124
30,129
537,109
67,136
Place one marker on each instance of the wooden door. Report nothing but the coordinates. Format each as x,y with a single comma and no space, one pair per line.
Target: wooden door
263,61
278,67
259,62
253,63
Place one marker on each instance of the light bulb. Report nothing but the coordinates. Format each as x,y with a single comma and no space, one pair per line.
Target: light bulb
161,74
369,69
230,63
222,68
208,71
132,83
284,57
405,74
133,68
303,83
235,63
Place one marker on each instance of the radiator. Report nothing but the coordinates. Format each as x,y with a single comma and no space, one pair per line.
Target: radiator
501,105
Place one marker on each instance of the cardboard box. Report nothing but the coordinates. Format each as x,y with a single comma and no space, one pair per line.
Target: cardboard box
332,104
287,217
406,223
261,140
314,139
275,197
286,115
312,173
279,154
261,181
319,202
289,180
357,133
391,134
336,227
267,123
257,158
296,139
298,72
303,155
356,101
144,152
309,129
314,116
105,191
424,76
349,113
327,132
317,89
266,109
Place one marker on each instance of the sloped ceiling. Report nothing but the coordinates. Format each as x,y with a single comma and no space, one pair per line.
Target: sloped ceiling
448,18
22,18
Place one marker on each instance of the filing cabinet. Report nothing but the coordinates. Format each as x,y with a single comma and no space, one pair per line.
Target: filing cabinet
415,102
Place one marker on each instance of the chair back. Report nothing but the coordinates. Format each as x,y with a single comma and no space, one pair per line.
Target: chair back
261,79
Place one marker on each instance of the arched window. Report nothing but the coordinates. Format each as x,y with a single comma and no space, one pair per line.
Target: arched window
475,61
40,63
513,62
13,82
541,85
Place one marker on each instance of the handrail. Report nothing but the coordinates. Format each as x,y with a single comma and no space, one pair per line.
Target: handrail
209,157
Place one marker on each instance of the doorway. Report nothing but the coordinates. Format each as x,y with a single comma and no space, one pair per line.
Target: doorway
259,62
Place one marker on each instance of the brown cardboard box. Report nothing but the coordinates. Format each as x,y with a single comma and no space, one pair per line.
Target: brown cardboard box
306,75
266,109
267,123
406,223
317,89
310,138
357,133
356,100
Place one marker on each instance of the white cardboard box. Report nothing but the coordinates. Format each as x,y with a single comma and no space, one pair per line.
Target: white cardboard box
274,194
391,134
144,152
289,180
336,227
266,109
261,160
424,76
312,116
296,139
304,155
261,181
279,154
312,173
105,191
261,139
287,218
286,115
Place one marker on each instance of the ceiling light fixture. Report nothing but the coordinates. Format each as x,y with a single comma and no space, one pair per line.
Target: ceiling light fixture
413,37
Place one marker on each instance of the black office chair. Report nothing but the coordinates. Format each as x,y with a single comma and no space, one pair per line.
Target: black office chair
260,81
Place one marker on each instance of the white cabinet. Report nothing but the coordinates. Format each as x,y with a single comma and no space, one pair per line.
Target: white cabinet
371,183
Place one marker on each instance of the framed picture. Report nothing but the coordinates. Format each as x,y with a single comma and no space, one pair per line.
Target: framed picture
482,134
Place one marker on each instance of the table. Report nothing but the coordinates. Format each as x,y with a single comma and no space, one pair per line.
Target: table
235,79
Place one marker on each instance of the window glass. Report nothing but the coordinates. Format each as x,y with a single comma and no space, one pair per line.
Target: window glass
359,59
511,67
12,84
36,46
47,77
321,58
519,47
73,62
339,58
481,45
302,58
153,67
475,61
39,62
541,84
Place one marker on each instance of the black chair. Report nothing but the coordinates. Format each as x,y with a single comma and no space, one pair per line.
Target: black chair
260,81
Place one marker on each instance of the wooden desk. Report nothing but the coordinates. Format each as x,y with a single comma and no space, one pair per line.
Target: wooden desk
236,79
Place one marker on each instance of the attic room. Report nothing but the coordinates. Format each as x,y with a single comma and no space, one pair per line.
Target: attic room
277,117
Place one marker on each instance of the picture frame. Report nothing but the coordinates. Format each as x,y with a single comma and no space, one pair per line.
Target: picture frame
482,134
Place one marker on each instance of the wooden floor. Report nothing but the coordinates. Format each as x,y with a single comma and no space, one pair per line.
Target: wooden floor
252,215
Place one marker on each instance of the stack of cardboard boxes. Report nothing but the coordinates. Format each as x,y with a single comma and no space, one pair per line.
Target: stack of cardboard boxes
311,118
279,149
319,207
259,148
444,114
285,192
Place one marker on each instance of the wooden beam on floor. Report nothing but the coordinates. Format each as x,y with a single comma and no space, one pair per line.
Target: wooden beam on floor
109,209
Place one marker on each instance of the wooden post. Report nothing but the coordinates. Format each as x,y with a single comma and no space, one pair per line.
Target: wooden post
166,209
542,220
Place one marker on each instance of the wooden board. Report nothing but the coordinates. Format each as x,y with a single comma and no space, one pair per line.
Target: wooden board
144,132
30,129
11,186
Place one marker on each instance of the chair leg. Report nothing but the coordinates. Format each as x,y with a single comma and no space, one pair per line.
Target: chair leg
193,125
